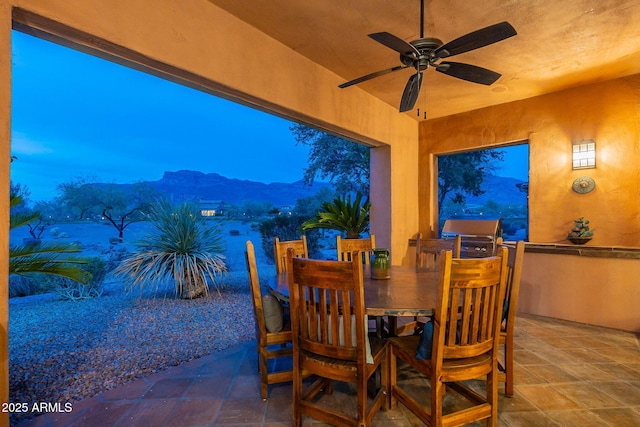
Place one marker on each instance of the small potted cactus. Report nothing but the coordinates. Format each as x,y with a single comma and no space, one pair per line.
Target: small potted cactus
580,233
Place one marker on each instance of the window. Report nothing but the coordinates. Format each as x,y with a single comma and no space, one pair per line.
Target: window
486,184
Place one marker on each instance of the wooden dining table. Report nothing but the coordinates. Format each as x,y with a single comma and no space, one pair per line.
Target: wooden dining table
407,292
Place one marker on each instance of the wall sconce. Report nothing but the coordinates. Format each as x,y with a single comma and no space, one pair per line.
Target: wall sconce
584,154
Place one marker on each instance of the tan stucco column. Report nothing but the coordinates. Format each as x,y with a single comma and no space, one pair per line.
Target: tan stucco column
5,156
394,197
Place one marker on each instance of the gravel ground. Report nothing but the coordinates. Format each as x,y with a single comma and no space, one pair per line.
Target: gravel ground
64,351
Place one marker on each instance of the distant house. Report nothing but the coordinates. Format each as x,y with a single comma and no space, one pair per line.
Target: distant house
285,210
209,208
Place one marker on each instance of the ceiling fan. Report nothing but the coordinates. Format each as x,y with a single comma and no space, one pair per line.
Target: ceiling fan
425,52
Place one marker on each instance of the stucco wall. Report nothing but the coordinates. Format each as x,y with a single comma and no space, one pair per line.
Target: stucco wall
607,112
598,291
592,290
5,152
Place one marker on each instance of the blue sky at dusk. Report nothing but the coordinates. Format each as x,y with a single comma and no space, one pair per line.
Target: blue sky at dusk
75,115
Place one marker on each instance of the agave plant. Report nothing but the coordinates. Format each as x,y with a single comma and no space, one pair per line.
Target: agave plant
343,215
43,257
183,248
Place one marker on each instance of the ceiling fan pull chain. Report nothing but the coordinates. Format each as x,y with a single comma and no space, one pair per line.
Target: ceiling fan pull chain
425,103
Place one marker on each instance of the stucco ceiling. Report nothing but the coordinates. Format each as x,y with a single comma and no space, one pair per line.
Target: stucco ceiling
560,44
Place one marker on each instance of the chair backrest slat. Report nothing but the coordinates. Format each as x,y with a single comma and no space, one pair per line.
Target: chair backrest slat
280,251
514,274
469,310
327,306
428,251
345,247
254,283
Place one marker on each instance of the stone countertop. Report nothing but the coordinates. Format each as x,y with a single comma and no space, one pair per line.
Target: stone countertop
583,250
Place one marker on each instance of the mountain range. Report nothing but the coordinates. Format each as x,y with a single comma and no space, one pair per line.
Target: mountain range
500,189
193,185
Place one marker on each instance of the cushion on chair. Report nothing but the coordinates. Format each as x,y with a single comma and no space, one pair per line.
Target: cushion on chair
353,335
273,313
425,344
505,310
367,343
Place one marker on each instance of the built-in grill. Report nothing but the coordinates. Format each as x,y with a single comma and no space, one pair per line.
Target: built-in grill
478,236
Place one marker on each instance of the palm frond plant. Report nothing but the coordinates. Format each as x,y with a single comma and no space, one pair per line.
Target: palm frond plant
343,215
43,257
182,247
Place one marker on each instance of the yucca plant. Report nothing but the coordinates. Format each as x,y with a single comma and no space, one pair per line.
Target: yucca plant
343,215
43,257
182,247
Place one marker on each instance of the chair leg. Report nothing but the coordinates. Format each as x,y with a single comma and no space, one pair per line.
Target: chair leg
361,385
328,389
264,375
384,370
492,396
508,365
392,401
297,396
437,397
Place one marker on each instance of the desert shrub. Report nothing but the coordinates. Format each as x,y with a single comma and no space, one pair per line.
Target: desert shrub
39,257
182,249
22,286
286,228
114,256
98,268
73,291
67,289
38,283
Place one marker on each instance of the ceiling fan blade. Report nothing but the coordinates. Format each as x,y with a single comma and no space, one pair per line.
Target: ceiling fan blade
411,92
468,72
395,43
477,39
371,76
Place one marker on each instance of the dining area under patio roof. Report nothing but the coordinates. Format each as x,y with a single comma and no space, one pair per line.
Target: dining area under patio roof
570,75
569,374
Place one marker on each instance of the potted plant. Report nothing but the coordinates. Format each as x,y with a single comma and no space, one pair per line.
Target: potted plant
580,233
343,215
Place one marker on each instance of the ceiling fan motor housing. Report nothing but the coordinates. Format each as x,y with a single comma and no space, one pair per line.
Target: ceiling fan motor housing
426,46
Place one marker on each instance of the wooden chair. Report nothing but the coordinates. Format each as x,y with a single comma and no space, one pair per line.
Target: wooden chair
428,259
267,340
428,251
466,331
510,307
330,339
346,246
280,251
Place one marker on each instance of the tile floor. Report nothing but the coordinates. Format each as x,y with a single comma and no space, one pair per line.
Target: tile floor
567,374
